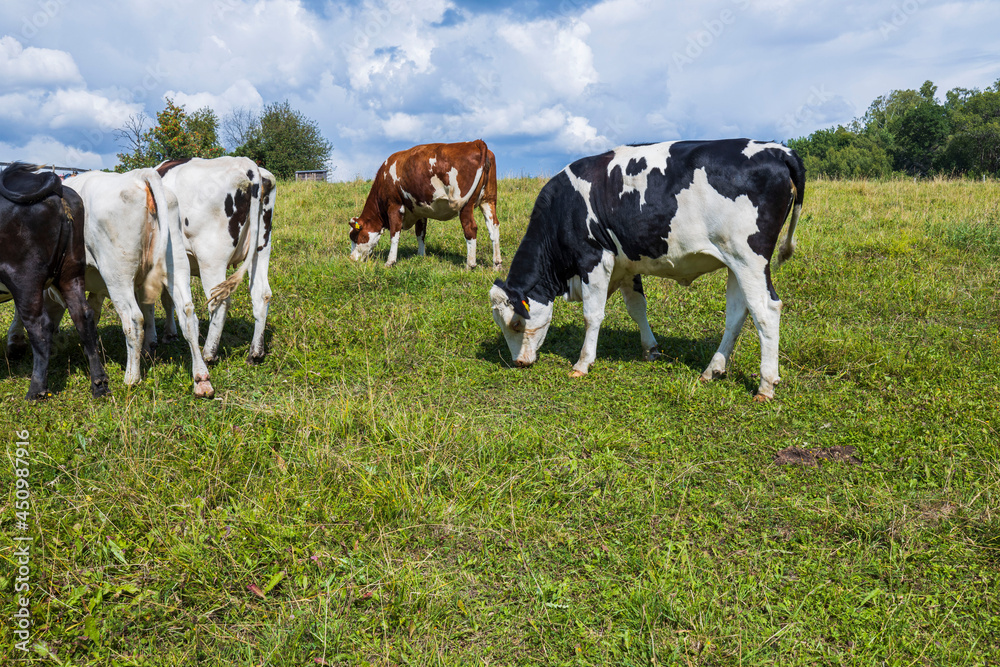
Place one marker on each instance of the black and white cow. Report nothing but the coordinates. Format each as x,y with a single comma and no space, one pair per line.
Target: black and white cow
227,205
42,245
677,210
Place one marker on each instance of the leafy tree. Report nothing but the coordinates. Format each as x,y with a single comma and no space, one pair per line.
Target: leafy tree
176,135
284,141
921,134
974,146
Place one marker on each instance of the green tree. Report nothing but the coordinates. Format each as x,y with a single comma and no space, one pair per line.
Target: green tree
176,135
284,141
920,136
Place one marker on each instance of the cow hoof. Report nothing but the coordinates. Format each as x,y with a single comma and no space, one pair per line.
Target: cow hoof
497,266
577,374
169,338
100,388
203,389
390,264
38,395
652,354
761,398
469,267
256,359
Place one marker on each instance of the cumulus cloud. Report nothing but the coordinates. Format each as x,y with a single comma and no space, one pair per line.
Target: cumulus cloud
33,67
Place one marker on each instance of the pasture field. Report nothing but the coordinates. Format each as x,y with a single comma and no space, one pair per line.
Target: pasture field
386,490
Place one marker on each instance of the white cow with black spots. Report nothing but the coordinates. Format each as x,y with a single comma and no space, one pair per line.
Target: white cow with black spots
226,205
677,210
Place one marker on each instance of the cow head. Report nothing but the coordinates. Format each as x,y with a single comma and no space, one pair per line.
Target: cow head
363,238
522,320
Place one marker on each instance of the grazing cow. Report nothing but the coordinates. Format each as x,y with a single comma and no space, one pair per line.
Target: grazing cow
437,181
134,249
678,210
41,244
226,204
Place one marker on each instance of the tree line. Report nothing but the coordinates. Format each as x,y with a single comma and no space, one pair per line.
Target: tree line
279,138
914,133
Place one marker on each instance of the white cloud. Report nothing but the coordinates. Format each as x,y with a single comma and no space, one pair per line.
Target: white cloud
241,94
33,67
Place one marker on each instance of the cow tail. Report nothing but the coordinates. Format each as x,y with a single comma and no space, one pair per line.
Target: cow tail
152,265
797,172
222,291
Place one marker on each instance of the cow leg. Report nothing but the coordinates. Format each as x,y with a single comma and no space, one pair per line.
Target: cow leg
468,218
765,308
395,227
420,229
37,323
635,303
17,344
260,298
179,286
595,296
211,275
122,294
489,210
86,326
149,342
169,324
736,315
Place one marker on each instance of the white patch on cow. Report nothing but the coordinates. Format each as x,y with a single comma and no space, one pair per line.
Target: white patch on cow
447,200
583,187
433,161
754,147
709,231
361,251
392,173
655,157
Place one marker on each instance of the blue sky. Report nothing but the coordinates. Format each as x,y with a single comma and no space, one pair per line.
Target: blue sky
542,82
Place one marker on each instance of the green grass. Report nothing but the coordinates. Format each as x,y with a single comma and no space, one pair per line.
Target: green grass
386,490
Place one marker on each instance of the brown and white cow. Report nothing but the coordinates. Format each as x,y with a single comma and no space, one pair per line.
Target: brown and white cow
436,181
226,205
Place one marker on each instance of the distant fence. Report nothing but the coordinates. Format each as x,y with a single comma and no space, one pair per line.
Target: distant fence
50,167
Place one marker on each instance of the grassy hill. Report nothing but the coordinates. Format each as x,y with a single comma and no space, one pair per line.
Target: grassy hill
386,490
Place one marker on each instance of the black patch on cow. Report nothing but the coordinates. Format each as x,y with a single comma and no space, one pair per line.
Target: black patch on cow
250,174
186,222
560,243
637,284
255,190
635,166
267,225
237,210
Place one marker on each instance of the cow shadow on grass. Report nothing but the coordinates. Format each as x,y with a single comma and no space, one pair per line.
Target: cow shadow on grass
622,345
457,259
66,358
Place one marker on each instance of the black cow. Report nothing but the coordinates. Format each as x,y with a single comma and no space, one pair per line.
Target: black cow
41,244
678,210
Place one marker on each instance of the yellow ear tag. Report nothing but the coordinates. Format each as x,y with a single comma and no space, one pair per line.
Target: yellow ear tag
526,306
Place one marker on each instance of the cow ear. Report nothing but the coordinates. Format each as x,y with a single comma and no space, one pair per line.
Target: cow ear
355,223
521,308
